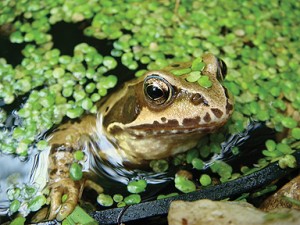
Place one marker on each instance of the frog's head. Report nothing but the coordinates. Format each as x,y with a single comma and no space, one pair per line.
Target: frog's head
161,114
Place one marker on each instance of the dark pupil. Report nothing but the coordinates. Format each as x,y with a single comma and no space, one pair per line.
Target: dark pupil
154,92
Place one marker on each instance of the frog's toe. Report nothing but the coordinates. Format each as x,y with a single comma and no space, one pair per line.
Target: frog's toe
65,210
55,196
92,185
69,205
60,209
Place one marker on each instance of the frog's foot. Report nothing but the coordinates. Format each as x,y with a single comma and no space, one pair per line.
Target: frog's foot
60,209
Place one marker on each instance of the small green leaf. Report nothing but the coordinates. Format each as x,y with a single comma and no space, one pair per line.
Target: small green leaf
76,171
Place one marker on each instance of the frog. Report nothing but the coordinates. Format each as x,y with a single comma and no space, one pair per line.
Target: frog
155,116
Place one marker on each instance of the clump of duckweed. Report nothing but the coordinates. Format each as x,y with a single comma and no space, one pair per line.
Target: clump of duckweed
25,199
67,85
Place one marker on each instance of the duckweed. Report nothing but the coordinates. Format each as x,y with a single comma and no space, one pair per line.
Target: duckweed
109,62
132,199
36,203
287,161
87,104
197,64
184,185
205,180
118,198
64,198
13,193
90,88
42,145
193,76
55,100
18,221
235,150
296,133
76,171
222,169
137,186
192,154
205,82
105,200
78,155
271,145
159,166
25,199
166,196
284,148
180,72
289,122
14,206
28,192
198,164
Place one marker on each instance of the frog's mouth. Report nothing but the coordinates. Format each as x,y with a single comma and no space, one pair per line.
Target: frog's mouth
160,130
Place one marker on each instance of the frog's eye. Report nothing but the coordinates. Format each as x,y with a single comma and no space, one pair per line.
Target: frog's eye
222,69
157,89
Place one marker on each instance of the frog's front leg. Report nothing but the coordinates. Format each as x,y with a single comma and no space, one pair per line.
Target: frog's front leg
70,136
60,183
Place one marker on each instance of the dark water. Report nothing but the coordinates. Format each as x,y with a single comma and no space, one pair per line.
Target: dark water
250,143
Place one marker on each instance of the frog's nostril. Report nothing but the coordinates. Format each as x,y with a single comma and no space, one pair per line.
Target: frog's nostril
198,99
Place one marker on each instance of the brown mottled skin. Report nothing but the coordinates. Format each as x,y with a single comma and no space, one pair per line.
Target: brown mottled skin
152,117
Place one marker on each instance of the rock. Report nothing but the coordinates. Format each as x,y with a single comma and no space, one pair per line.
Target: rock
209,212
290,190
